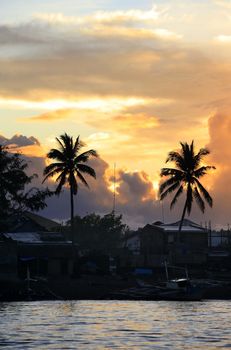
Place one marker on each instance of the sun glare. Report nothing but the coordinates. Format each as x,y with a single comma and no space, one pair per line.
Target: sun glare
104,105
155,185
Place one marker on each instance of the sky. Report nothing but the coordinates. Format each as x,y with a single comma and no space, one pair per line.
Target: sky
133,79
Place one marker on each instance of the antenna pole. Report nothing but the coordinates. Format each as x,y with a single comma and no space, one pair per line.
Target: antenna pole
114,194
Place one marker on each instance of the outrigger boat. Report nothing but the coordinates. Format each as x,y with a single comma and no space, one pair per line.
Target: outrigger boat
179,288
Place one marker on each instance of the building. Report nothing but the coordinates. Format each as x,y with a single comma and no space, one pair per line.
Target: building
132,242
158,242
30,222
32,247
45,254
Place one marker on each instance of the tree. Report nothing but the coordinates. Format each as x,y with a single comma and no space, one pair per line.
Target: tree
185,177
69,167
15,194
103,234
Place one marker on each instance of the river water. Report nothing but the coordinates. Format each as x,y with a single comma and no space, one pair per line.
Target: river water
115,325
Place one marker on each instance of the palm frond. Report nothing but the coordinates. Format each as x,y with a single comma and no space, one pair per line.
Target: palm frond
167,183
67,145
188,156
171,172
187,171
52,167
177,158
199,200
205,193
202,171
202,152
56,154
83,157
83,168
52,173
80,176
68,163
60,144
62,180
78,145
177,195
169,190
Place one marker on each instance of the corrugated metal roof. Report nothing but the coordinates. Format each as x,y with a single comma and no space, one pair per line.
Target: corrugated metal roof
36,237
188,226
184,228
26,237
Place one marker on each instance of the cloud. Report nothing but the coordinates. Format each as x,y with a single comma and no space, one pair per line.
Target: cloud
19,141
134,185
107,17
223,3
126,122
135,197
219,181
17,35
60,114
135,191
46,31
112,103
136,91
225,39
144,93
74,65
137,33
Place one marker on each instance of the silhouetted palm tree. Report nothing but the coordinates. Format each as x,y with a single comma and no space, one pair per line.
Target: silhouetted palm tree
69,167
185,177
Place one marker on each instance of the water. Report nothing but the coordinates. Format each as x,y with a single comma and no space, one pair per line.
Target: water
115,325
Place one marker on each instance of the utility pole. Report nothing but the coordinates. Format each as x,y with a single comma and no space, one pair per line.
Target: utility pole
114,189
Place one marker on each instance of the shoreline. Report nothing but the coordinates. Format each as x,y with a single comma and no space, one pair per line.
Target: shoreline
90,287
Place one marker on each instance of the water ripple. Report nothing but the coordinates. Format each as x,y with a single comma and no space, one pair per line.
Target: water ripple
115,325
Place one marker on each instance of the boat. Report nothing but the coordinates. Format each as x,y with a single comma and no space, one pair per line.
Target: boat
180,288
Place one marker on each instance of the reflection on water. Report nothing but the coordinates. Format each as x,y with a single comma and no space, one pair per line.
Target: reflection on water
115,324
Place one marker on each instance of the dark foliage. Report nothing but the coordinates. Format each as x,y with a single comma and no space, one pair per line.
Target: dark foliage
15,197
100,233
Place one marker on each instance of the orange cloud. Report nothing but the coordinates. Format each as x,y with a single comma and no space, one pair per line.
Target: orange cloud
115,17
60,114
137,33
219,145
126,122
31,151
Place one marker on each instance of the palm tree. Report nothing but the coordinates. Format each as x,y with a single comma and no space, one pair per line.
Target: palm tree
185,177
69,167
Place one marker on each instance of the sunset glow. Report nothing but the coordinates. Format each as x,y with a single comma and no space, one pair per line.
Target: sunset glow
133,79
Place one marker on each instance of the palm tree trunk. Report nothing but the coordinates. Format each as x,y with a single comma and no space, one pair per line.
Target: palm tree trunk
72,213
182,219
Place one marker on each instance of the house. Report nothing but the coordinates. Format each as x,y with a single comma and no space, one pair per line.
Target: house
219,255
190,246
158,242
30,222
132,242
46,254
8,261
33,245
